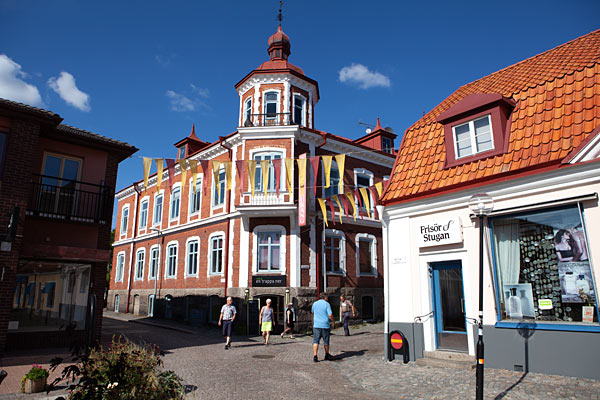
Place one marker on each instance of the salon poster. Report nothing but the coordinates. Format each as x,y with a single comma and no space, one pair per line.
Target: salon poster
573,266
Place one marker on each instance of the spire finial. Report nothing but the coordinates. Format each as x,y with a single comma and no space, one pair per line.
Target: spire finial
280,15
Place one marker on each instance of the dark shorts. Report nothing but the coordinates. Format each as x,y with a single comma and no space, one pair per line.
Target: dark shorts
290,325
319,333
227,328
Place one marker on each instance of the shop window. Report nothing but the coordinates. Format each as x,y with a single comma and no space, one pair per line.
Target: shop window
71,282
139,264
258,178
85,281
120,267
144,214
171,270
192,258
367,308
334,251
158,207
219,195
175,200
216,254
542,267
334,181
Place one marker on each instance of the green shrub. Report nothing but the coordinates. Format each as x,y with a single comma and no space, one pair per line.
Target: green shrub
36,372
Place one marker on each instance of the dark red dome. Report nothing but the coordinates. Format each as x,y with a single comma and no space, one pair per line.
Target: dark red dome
279,37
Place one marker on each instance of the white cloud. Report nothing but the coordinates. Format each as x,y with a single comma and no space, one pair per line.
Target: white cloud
67,89
179,102
360,75
12,85
202,92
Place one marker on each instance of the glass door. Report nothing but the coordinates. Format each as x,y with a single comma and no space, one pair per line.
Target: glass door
449,306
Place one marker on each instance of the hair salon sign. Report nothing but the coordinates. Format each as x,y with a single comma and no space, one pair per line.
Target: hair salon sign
440,232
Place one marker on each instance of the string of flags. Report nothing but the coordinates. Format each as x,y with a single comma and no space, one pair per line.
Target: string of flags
343,200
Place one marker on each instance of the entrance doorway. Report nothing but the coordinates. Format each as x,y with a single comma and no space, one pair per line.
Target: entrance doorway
278,309
449,306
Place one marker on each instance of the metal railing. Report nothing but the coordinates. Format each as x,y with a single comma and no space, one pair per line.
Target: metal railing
269,119
259,199
70,200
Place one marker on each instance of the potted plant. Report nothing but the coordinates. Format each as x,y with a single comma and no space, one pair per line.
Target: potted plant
34,381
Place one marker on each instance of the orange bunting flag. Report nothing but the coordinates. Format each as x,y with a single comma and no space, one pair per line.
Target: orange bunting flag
264,169
340,159
194,170
327,169
205,175
228,176
159,173
323,210
147,164
216,167
337,200
289,173
350,197
301,172
252,174
183,171
239,166
365,196
379,187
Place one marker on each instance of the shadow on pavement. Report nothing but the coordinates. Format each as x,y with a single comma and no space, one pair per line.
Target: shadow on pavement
346,354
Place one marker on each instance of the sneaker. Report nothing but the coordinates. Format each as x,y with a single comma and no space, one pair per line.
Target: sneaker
226,347
282,335
328,357
316,359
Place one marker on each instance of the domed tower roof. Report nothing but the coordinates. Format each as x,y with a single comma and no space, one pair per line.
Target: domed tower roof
279,45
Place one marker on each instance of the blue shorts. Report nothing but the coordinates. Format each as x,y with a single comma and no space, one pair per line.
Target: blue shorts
319,333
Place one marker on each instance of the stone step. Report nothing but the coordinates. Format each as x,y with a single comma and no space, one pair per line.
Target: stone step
439,363
449,356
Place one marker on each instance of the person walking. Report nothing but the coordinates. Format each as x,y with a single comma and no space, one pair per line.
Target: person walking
289,319
266,321
346,310
322,320
228,313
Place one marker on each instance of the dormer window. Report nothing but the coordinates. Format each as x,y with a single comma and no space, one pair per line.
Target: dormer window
473,137
299,110
387,144
271,100
476,127
181,152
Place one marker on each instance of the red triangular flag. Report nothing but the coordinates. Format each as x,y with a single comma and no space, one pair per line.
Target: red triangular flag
205,174
373,195
277,166
314,164
360,202
332,209
171,169
345,204
239,166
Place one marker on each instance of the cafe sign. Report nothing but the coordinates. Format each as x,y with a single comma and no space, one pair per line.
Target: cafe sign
439,232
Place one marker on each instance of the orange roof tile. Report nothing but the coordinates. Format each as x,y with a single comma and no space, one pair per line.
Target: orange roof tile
557,96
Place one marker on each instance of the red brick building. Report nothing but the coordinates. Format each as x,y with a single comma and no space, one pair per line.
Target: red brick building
190,248
56,199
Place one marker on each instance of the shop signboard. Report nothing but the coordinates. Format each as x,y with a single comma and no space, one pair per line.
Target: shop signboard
439,231
268,280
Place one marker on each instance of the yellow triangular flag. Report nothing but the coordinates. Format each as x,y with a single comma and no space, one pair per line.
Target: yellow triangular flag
289,173
379,188
264,169
228,174
147,164
337,200
159,173
323,210
194,169
365,196
340,159
216,166
301,172
350,197
252,174
183,171
327,168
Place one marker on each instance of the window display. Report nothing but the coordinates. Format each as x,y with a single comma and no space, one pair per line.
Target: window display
542,266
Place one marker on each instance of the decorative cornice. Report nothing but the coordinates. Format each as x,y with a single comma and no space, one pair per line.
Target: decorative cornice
281,77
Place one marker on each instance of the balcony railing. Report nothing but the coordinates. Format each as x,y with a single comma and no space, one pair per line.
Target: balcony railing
269,119
70,200
259,199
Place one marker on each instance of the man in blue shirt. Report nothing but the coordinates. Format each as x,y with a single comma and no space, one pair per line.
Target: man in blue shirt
322,317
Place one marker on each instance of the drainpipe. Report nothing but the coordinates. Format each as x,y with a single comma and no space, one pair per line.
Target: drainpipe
131,256
324,136
227,209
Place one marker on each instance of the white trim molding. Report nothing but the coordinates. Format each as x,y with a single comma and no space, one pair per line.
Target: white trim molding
141,250
186,274
169,244
282,249
209,251
373,241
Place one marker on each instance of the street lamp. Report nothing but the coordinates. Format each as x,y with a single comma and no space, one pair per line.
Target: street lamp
481,205
157,271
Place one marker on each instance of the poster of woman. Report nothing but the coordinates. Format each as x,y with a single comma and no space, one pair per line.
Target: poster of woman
573,266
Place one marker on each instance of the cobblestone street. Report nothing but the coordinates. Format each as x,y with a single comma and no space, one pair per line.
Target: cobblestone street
250,370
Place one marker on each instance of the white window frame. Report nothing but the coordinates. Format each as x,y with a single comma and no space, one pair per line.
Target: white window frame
282,249
342,237
247,115
123,233
151,305
145,200
304,102
373,241
119,273
278,100
152,248
209,255
471,124
191,197
141,251
155,221
176,244
223,193
323,189
391,141
365,173
270,151
189,240
176,187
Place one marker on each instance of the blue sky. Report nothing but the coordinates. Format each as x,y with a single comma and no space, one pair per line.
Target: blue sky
144,71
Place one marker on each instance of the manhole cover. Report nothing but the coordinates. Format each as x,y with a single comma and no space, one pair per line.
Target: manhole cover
263,356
